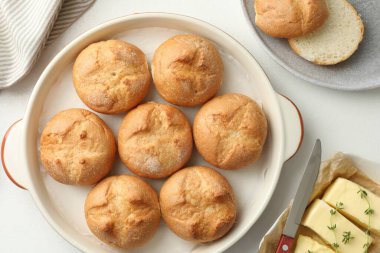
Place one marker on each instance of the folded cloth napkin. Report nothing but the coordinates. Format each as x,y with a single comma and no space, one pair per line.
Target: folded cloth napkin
26,26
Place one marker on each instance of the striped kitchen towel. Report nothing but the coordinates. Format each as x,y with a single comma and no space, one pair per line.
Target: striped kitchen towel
26,26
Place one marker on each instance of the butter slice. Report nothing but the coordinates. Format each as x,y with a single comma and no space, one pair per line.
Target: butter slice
345,191
306,244
317,218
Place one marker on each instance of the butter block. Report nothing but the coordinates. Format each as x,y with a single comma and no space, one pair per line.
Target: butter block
318,218
306,244
354,207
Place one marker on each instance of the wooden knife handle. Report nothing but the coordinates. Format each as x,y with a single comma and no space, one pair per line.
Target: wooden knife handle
285,244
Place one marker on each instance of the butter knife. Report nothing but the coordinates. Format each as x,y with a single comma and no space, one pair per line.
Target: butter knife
301,200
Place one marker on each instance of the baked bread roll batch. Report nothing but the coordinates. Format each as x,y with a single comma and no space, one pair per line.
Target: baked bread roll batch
155,141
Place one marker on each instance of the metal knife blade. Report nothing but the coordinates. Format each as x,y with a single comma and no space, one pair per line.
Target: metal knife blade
304,191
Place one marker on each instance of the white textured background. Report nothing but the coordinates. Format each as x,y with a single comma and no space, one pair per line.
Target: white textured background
348,122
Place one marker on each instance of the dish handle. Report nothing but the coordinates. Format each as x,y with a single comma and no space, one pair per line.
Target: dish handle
293,124
10,155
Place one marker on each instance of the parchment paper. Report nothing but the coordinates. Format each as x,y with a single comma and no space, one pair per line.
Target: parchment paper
338,166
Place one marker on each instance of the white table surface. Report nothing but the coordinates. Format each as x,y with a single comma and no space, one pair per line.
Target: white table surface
348,122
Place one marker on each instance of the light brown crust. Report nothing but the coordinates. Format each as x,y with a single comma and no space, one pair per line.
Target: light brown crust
123,211
155,140
187,70
198,204
334,61
290,18
77,147
111,76
230,131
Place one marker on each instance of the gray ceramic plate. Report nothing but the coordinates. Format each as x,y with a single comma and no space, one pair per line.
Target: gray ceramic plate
360,72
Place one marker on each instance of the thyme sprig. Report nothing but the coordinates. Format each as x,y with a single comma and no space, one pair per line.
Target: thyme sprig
332,226
369,212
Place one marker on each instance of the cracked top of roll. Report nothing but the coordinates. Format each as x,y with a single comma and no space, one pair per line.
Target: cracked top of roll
123,211
198,204
187,70
111,76
77,147
155,140
290,18
230,131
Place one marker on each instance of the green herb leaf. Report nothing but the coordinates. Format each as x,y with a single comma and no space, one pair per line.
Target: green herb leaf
333,227
347,237
339,205
363,193
366,247
369,211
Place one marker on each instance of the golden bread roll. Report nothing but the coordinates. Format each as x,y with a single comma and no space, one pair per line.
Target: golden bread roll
123,211
155,140
111,76
77,147
187,70
289,18
198,204
230,131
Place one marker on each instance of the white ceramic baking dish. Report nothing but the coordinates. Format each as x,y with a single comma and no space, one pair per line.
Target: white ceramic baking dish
62,205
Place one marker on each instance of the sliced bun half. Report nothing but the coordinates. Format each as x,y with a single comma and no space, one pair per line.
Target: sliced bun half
336,40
